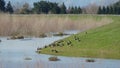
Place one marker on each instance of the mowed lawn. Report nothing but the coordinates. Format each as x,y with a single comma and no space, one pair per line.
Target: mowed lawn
101,42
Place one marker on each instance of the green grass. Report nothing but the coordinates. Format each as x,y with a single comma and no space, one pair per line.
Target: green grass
102,42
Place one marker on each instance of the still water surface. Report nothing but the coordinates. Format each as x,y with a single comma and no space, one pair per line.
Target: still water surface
14,52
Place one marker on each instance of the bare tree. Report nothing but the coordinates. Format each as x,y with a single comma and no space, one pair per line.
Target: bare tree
16,7
91,9
25,9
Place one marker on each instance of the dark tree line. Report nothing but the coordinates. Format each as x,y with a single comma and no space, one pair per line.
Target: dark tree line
41,7
54,8
2,5
7,9
112,9
74,10
45,7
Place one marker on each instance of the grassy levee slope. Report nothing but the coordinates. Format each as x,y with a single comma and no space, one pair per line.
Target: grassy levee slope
101,42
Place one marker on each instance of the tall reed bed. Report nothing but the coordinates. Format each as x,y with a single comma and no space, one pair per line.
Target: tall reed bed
34,25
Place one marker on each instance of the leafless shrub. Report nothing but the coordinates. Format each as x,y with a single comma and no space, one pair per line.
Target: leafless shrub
90,9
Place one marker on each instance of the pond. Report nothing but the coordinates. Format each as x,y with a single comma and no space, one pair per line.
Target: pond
21,54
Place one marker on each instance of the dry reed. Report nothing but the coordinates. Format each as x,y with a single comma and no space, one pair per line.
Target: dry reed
37,24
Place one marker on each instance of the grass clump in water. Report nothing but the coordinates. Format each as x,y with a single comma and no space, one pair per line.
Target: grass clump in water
60,34
53,58
28,58
90,60
16,37
43,35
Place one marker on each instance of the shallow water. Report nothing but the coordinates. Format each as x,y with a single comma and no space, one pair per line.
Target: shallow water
14,52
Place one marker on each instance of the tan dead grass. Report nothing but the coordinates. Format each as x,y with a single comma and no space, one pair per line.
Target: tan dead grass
38,24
